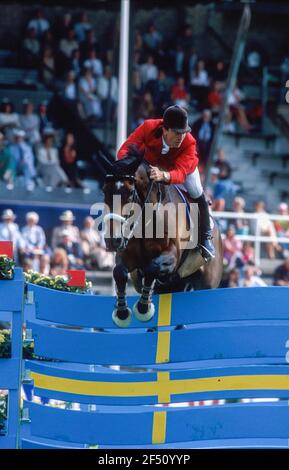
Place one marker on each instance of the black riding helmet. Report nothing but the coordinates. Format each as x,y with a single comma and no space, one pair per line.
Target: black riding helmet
176,118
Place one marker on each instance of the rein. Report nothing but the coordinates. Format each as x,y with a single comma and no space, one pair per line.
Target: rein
135,198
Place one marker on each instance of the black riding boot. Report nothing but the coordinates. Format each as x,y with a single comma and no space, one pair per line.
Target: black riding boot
206,232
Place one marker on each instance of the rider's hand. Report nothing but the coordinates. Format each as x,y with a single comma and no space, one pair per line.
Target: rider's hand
156,174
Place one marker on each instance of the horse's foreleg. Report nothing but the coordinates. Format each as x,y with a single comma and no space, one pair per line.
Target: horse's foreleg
144,309
121,313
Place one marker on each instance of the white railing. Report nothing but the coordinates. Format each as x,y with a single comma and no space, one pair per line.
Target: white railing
257,238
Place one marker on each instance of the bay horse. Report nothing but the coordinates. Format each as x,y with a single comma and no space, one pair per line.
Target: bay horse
153,263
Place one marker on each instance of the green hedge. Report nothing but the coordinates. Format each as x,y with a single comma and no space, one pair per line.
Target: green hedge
7,266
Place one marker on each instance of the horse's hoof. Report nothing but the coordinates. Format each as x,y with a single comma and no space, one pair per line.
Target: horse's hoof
122,322
144,316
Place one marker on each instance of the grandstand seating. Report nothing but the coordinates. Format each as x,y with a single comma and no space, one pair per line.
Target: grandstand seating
19,78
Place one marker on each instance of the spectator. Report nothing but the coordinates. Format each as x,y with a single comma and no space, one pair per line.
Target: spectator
59,263
200,75
23,158
137,87
43,118
215,98
70,88
266,228
187,40
192,63
241,225
144,108
179,60
224,188
31,48
179,93
200,84
68,44
237,111
232,248
152,38
136,61
48,40
82,26
48,67
138,42
281,274
214,178
39,23
160,90
67,218
29,121
223,165
44,266
48,162
162,58
87,94
282,227
68,158
9,120
148,70
34,238
107,90
248,253
203,131
63,25
9,231
7,164
88,43
75,62
93,247
72,249
251,279
94,62
219,206
27,265
219,74
233,279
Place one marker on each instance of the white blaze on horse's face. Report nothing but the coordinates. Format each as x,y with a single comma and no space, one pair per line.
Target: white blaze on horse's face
119,185
113,225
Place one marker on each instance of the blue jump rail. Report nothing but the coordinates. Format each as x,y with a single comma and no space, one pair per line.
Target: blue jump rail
11,301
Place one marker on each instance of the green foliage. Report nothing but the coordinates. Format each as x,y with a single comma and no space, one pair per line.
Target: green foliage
5,344
3,411
58,282
7,266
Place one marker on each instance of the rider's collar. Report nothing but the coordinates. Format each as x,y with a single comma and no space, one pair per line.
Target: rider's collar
165,148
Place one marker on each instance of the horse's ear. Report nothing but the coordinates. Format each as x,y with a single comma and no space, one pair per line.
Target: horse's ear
106,164
130,163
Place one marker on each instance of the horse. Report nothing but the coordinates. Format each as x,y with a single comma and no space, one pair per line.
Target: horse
154,263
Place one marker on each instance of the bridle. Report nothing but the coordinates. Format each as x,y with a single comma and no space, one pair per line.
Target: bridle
134,198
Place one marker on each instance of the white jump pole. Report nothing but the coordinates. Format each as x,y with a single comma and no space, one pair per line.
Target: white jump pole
123,74
121,132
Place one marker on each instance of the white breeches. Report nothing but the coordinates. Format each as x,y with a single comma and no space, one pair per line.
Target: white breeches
193,184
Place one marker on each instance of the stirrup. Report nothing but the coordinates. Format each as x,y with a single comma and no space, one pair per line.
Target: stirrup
206,254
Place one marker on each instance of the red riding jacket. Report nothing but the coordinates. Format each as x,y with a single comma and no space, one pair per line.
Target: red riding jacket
179,162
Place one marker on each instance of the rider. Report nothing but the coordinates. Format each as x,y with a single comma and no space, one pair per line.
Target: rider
170,148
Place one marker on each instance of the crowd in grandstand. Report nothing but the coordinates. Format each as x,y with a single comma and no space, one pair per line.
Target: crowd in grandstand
83,70
84,248
71,61
70,247
32,150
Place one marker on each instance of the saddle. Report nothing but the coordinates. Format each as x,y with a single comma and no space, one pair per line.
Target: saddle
191,259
